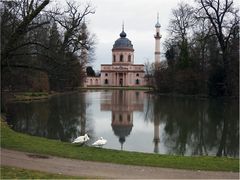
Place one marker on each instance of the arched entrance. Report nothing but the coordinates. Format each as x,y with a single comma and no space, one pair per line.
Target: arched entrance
121,82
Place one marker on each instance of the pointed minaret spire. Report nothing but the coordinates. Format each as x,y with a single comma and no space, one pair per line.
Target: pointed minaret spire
157,24
123,34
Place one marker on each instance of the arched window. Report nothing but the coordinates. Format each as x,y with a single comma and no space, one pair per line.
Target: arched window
121,58
114,58
129,58
106,81
129,118
137,81
120,118
137,74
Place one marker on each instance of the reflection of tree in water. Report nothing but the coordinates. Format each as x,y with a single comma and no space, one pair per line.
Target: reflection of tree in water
227,127
29,118
197,127
68,112
62,117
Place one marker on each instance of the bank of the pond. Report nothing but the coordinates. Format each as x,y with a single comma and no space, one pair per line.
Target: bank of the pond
31,96
8,96
22,142
193,96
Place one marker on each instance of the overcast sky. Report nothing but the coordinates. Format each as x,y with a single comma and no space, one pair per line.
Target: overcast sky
139,17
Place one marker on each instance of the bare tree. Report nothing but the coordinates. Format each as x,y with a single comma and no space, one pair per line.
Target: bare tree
24,13
180,28
149,73
72,23
182,21
29,43
224,20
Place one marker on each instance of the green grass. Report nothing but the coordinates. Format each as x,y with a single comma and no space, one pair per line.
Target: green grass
28,96
13,140
19,173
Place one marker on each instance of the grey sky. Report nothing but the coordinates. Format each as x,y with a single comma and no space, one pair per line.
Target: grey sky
139,17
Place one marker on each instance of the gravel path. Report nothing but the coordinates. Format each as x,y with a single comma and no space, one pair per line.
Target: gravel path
102,170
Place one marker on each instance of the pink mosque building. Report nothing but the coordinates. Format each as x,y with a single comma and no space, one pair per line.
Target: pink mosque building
123,71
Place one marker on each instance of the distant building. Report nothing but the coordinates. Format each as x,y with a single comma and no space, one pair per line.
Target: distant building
123,71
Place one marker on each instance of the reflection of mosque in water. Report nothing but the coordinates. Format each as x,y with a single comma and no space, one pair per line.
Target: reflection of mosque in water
122,104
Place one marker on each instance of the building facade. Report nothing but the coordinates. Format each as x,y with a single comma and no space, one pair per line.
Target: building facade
122,71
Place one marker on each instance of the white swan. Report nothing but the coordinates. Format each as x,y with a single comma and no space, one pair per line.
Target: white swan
100,142
81,139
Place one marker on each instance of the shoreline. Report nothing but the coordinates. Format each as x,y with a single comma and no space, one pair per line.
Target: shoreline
13,96
22,142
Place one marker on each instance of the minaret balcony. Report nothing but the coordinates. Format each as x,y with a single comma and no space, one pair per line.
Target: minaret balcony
157,36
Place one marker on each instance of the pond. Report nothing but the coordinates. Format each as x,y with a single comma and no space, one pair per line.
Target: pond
134,121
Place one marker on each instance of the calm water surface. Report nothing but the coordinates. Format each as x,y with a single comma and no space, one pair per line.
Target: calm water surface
134,121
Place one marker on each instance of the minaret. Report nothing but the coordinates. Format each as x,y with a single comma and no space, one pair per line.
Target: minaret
157,37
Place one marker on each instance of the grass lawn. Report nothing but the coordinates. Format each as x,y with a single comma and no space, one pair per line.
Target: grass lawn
19,173
28,96
22,142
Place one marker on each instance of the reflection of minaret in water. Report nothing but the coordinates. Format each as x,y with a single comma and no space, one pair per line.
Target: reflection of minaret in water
156,138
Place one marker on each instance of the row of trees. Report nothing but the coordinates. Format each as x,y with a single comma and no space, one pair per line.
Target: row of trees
44,47
202,50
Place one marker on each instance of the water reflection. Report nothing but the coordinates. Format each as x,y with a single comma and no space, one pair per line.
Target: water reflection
135,121
122,104
61,117
197,127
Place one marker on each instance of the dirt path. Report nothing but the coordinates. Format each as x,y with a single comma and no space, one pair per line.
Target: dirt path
101,170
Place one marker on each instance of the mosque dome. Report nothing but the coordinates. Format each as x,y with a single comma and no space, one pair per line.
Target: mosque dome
123,42
122,131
